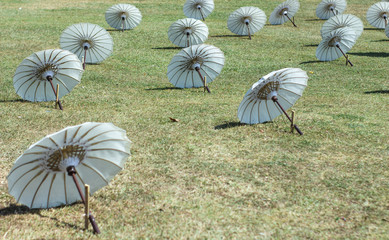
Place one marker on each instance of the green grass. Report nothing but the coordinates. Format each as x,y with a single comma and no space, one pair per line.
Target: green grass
207,176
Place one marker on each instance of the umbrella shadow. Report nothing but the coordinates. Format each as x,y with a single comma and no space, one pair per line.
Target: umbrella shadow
314,20
14,209
221,36
377,91
307,62
164,88
167,48
370,54
382,40
311,45
371,29
229,125
13,100
117,30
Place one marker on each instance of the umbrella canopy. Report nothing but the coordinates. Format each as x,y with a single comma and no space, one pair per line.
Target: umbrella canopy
341,21
335,44
188,31
198,9
88,41
207,60
35,76
123,16
387,31
328,8
98,151
377,15
284,12
272,95
246,20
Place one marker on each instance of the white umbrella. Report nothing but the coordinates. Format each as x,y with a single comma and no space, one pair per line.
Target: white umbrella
284,12
88,41
37,74
328,8
198,9
123,16
91,153
387,30
335,44
272,95
246,21
206,60
377,14
188,31
340,21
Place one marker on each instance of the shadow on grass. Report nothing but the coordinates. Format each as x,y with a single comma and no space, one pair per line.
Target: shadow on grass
167,48
372,29
311,45
370,54
221,36
117,30
314,20
164,88
307,62
14,209
13,100
381,40
378,91
229,125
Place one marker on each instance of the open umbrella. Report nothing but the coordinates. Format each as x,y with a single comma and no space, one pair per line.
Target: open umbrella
37,74
198,9
90,153
335,44
206,60
272,95
88,41
328,8
341,21
188,31
246,21
123,16
377,15
284,12
387,31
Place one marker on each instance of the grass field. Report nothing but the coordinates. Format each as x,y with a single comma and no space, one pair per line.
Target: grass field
207,176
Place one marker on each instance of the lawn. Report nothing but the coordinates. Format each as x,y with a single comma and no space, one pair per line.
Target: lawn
207,176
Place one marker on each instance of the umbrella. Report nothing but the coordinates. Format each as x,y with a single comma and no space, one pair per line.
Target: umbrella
377,14
123,16
272,95
91,153
284,12
198,9
37,74
387,31
335,44
206,60
88,41
246,21
188,31
340,21
329,8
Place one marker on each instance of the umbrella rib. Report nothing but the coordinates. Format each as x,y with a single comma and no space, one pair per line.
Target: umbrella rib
49,193
21,165
74,135
33,199
87,132
36,90
21,193
106,160
97,172
113,130
64,181
107,140
109,149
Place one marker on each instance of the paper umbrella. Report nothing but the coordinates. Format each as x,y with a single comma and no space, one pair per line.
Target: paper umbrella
284,12
188,31
123,16
377,15
88,41
195,66
48,173
36,76
341,21
335,44
329,8
246,21
198,9
272,95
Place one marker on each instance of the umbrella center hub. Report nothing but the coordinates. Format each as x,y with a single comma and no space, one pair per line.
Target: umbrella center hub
198,6
384,15
86,43
284,11
334,41
331,7
196,63
188,31
123,15
268,89
246,20
59,160
49,69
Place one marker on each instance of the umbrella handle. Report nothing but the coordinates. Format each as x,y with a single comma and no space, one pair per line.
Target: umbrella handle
202,79
248,30
72,172
274,98
291,20
50,79
297,129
